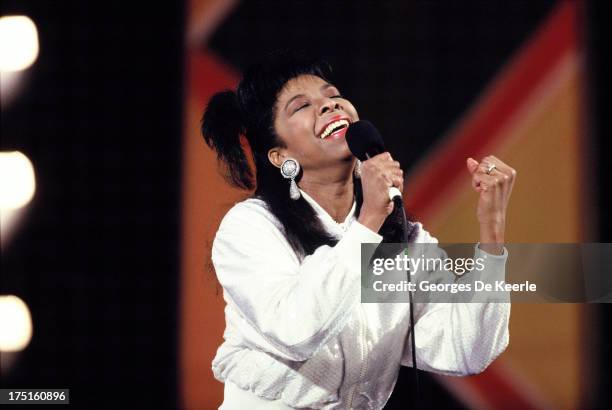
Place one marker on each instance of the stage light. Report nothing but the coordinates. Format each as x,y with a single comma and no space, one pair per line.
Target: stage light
17,180
17,187
15,324
18,43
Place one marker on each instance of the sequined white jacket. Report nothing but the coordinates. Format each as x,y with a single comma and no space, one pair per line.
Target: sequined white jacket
296,333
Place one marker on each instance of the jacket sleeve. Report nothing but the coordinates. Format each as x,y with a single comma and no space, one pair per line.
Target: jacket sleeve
459,339
286,307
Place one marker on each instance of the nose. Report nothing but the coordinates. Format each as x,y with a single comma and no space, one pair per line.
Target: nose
329,105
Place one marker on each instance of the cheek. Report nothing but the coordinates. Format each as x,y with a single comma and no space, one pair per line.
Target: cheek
301,138
352,111
296,133
301,126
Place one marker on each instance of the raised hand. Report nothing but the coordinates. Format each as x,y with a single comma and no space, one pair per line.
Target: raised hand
493,180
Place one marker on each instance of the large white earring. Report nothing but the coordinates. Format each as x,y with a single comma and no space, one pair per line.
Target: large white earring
290,169
357,170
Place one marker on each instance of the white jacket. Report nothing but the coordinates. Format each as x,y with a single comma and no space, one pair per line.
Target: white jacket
297,335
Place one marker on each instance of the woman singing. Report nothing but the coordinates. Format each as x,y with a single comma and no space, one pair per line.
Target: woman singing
288,257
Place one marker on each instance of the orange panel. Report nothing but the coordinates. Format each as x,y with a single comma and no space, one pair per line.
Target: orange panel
206,198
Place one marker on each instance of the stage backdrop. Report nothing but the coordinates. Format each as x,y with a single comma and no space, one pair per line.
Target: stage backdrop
517,94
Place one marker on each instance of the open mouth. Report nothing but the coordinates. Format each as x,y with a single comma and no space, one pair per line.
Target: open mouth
334,128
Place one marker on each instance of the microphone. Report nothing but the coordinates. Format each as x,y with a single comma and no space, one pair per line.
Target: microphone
365,141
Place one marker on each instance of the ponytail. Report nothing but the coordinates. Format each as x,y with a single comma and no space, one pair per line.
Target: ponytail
221,126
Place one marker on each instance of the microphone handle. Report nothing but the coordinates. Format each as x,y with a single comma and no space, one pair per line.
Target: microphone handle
394,192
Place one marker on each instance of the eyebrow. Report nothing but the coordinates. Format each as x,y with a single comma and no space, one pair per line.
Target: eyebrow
323,87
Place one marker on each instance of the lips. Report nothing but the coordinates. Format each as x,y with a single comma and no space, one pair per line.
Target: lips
335,127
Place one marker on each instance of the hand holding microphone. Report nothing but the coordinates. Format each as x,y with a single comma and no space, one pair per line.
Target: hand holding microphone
381,176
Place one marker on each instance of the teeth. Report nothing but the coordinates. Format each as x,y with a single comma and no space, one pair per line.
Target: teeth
333,126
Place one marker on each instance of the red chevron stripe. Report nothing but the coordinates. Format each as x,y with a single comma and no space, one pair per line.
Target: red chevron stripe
480,129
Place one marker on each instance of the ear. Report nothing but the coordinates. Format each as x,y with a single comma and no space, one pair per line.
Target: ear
276,156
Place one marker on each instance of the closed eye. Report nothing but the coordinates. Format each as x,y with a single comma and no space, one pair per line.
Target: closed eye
302,106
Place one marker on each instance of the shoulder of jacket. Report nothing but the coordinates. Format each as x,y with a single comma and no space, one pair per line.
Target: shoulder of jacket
251,211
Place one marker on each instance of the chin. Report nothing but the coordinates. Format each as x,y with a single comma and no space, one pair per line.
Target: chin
347,155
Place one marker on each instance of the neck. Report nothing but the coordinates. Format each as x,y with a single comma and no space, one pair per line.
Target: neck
335,194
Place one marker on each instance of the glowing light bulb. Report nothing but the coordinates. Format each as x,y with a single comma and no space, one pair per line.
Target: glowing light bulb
15,324
18,43
17,181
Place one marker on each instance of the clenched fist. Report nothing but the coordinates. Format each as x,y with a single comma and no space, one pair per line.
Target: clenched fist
493,180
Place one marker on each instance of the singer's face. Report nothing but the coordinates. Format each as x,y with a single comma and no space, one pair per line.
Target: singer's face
307,109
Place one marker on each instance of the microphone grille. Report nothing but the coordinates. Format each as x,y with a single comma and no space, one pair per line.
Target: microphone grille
363,138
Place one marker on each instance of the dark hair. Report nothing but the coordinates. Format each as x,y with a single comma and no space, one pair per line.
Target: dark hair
249,112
